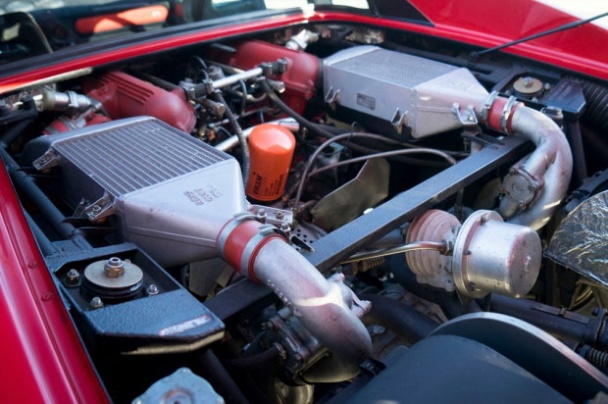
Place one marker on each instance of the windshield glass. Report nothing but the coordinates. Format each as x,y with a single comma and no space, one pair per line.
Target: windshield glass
34,27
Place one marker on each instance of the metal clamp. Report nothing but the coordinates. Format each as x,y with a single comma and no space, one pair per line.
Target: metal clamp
466,116
506,114
485,110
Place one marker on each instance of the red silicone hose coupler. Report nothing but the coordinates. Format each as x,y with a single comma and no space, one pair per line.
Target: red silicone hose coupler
271,147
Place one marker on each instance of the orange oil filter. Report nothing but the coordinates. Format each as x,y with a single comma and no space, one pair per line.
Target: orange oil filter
271,147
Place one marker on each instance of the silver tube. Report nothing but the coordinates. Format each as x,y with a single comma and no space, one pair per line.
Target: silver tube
440,246
235,78
548,169
323,306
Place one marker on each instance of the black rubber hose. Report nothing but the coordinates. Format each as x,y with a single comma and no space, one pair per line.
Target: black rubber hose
214,372
25,117
573,132
46,246
13,133
28,186
597,105
261,359
406,322
314,128
246,157
562,324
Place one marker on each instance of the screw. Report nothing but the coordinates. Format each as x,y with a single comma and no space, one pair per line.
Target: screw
96,302
279,215
152,290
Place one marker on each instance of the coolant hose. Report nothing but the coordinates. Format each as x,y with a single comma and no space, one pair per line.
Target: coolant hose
325,307
536,185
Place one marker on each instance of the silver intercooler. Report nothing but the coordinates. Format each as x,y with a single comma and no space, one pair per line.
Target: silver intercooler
403,90
172,193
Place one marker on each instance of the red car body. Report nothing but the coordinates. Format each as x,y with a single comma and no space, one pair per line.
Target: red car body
42,353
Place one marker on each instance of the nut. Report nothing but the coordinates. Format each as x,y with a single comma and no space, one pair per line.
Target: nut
114,268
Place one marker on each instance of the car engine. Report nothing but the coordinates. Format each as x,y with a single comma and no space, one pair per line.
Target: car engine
325,213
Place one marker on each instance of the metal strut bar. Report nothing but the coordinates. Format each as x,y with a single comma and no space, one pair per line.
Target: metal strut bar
352,237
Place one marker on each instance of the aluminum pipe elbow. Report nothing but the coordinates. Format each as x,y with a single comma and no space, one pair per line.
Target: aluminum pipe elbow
326,307
319,303
544,175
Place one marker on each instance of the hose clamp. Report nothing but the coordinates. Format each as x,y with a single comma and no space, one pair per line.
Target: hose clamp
484,114
230,226
506,114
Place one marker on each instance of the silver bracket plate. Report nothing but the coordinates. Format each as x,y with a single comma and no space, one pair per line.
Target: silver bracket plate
101,208
47,160
466,116
399,120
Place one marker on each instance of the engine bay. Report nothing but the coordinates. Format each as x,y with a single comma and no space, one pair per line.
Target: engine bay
321,213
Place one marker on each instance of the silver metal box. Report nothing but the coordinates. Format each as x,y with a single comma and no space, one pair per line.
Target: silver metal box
403,90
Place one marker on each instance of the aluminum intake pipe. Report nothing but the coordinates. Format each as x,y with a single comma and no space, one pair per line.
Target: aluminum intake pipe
327,308
536,185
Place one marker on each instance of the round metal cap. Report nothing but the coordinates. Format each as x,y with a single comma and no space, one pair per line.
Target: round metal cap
96,274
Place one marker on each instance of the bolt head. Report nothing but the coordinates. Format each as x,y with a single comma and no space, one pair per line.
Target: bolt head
96,302
72,277
152,290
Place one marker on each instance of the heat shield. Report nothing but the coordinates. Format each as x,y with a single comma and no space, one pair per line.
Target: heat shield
581,241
